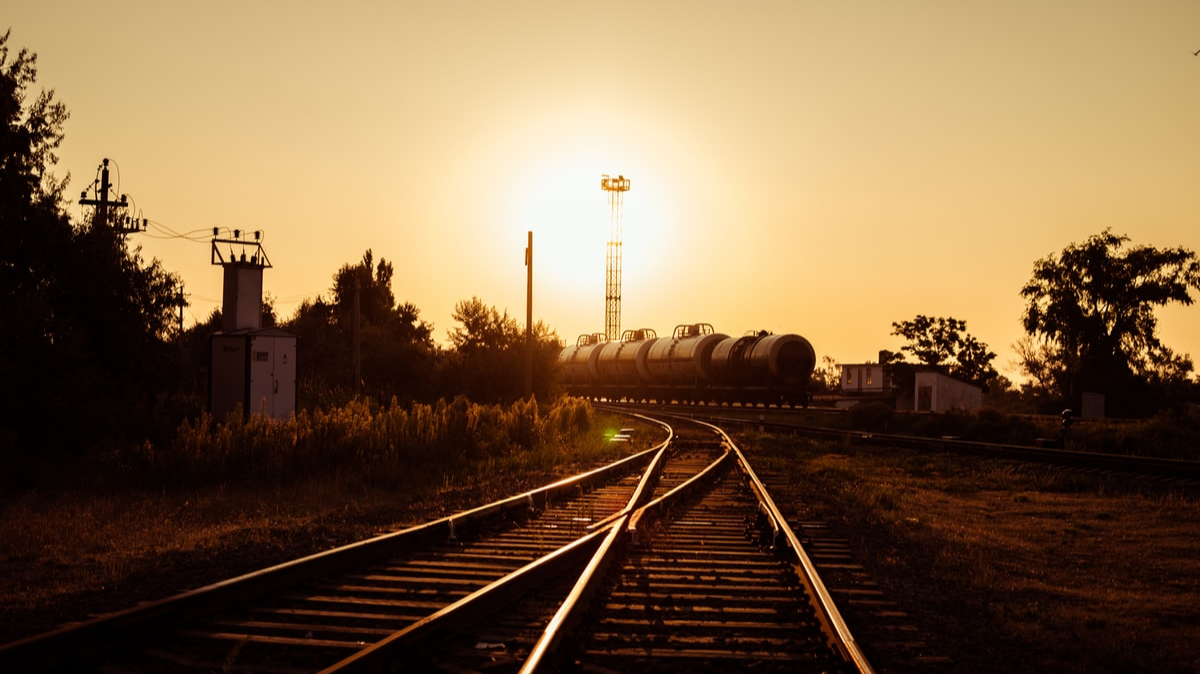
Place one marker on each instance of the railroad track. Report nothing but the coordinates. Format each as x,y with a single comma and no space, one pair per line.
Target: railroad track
674,559
768,419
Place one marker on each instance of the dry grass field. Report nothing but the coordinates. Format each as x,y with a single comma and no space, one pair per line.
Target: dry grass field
1009,567
1004,567
66,556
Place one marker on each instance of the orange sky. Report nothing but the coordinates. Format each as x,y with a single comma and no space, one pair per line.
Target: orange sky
823,168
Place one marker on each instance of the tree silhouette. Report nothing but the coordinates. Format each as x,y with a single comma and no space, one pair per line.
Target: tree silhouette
486,361
398,353
943,343
1090,317
86,320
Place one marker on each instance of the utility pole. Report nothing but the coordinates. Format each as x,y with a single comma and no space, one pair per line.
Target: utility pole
616,188
529,318
357,339
103,206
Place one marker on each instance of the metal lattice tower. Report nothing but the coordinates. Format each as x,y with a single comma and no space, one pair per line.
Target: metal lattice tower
616,188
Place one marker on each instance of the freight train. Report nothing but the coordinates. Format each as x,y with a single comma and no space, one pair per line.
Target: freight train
694,365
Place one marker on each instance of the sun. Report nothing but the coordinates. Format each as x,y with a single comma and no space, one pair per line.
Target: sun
564,207
559,198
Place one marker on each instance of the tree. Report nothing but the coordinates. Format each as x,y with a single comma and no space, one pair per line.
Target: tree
487,358
85,319
398,353
827,378
375,298
1090,317
944,344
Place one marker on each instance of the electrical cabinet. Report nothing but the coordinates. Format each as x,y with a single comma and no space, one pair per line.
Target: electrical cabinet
255,369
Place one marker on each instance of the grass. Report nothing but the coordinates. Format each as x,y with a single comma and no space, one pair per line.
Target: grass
1016,567
1010,567
1170,434
105,535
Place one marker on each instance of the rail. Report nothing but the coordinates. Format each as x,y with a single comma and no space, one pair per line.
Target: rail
105,633
1143,465
626,527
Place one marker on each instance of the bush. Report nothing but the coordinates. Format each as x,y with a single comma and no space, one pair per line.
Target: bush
875,417
386,445
1170,434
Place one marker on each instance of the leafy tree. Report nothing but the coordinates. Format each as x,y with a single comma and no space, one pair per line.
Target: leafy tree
375,298
943,343
487,357
826,378
1090,318
85,319
397,350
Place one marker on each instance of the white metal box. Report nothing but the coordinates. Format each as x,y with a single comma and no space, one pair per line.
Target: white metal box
255,369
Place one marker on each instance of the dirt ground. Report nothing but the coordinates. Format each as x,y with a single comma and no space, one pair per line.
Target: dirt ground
1010,567
997,566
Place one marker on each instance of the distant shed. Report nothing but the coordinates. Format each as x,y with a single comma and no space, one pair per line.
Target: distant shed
937,392
932,391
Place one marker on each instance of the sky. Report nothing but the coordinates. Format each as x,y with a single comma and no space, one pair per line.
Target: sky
824,168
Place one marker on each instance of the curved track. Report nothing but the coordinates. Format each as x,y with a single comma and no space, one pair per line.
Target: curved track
776,420
675,559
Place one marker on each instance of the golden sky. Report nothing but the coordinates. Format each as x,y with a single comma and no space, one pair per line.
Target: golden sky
824,168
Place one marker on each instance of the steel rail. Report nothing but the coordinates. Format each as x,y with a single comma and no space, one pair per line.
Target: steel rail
645,486
585,587
826,609
1145,465
382,656
118,630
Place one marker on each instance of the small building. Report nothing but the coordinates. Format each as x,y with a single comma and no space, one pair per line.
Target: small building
249,365
864,382
937,392
932,391
863,379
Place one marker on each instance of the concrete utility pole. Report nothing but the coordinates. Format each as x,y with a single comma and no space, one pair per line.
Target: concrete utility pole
356,355
529,318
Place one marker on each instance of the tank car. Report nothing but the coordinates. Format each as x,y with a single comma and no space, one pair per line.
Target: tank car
621,366
577,364
694,364
680,367
760,367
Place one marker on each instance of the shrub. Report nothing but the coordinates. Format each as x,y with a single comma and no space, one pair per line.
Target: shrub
874,416
387,445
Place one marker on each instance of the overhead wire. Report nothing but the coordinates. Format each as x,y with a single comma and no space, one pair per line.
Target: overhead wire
164,232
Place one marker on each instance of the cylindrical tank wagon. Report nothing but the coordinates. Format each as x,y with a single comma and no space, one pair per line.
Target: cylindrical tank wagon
621,366
577,364
685,359
760,367
695,364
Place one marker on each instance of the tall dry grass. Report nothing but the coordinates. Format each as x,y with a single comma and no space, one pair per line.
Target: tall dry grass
384,445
